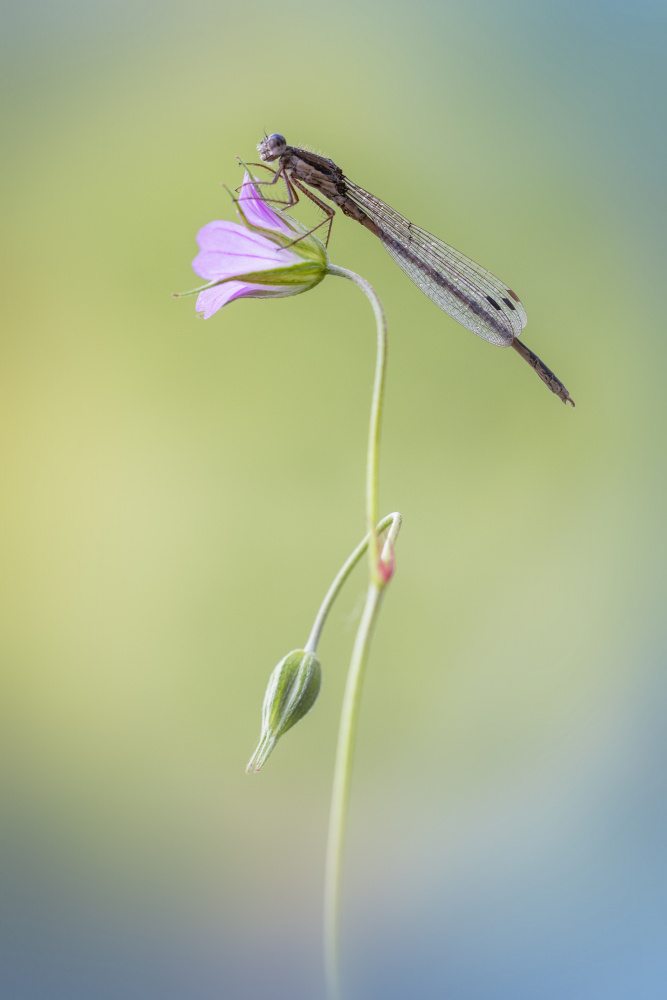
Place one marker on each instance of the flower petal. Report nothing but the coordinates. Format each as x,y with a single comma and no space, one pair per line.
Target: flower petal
228,249
212,299
257,211
220,234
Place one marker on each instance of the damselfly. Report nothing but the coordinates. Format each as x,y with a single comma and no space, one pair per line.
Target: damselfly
472,296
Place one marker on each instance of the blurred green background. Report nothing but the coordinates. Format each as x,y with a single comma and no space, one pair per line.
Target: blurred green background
178,494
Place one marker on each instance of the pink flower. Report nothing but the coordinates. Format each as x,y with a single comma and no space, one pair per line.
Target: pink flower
258,258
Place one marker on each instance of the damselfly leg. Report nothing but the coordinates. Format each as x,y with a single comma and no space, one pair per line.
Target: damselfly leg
291,185
276,177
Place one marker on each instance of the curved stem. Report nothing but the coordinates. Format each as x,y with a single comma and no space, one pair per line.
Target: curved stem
342,575
373,452
380,570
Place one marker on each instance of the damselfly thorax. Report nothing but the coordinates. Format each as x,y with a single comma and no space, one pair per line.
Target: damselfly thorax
471,295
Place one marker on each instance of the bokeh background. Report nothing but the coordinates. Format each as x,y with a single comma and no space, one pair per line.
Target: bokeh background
178,494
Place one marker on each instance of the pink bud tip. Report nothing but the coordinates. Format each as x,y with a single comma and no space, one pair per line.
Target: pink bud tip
386,568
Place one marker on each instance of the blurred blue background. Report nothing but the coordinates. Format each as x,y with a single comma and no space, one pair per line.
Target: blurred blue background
178,494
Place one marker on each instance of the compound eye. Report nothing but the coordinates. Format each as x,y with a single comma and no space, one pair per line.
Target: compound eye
272,147
276,142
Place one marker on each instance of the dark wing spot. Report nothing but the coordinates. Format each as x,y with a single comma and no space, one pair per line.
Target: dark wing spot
508,303
493,302
514,295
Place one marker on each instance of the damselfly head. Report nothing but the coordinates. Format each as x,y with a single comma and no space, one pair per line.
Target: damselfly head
272,147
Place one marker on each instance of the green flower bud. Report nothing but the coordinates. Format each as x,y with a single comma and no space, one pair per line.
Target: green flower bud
291,692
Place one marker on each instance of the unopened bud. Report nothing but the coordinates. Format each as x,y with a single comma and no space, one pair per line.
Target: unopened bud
291,692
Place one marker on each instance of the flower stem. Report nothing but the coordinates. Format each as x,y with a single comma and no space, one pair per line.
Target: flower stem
380,571
342,575
377,403
340,793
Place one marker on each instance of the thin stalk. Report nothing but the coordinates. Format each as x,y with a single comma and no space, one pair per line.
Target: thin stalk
377,404
342,575
340,793
380,567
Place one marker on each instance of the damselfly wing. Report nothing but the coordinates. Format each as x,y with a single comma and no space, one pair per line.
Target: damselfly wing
470,294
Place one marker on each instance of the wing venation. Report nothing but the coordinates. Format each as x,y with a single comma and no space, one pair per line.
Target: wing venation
470,294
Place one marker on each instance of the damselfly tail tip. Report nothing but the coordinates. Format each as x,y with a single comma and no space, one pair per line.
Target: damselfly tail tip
541,370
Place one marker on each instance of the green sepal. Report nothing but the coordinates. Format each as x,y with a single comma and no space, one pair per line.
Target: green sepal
304,273
290,693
